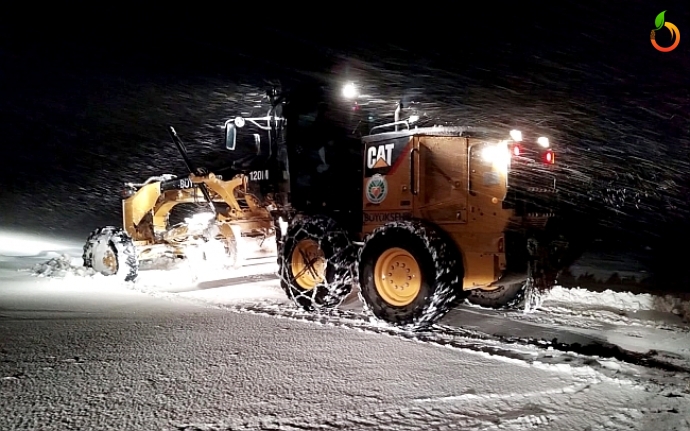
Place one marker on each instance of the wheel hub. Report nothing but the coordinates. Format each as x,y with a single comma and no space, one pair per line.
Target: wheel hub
109,260
308,264
397,277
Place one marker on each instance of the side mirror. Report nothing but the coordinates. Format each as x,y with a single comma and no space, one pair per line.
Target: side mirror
257,142
231,132
230,136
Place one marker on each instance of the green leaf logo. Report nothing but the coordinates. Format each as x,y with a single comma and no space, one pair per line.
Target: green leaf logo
659,21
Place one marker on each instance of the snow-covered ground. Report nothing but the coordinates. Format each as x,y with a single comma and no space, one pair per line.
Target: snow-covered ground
209,351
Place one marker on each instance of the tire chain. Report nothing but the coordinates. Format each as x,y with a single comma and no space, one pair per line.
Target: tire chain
124,246
446,291
542,272
328,295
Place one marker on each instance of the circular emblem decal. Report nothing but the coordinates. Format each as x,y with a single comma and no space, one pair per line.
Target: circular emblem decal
376,189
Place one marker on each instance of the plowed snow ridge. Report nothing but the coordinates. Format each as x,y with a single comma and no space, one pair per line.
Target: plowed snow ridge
64,266
620,300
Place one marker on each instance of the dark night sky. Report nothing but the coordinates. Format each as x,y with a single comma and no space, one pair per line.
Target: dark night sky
86,95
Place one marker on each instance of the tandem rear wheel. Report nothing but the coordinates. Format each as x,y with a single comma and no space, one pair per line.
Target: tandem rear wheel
502,297
410,274
315,263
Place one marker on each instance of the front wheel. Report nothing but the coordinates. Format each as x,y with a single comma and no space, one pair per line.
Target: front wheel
110,251
410,274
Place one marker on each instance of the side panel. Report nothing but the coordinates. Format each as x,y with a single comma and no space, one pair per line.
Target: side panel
386,190
442,194
454,183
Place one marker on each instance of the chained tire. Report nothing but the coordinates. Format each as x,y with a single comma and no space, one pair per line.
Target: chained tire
410,274
110,251
515,295
503,297
315,263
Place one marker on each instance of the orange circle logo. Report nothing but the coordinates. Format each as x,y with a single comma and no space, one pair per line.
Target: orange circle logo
675,34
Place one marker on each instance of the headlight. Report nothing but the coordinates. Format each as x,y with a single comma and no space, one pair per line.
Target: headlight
350,91
543,141
498,156
199,219
516,135
239,122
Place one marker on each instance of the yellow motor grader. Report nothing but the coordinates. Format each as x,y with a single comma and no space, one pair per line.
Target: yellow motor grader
231,212
418,218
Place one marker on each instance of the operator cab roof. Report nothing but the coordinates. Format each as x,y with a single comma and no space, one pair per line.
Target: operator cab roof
445,131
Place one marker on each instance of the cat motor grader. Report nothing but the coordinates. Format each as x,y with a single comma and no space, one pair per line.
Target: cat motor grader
232,215
417,218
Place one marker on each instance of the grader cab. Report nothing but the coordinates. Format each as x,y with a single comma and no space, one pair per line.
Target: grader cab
416,218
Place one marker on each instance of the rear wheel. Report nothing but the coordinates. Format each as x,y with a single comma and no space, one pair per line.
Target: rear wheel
410,274
315,263
110,251
510,296
544,263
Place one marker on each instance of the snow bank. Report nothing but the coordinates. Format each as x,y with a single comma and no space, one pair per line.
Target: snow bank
620,300
162,273
174,276
61,267
64,266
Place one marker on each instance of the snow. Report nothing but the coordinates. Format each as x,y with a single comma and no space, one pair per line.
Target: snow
204,350
620,300
62,266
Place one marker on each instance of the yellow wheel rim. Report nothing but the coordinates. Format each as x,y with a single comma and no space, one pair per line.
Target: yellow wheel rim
110,261
398,277
308,264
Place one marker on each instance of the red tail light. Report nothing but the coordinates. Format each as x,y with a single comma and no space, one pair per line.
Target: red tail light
549,157
516,150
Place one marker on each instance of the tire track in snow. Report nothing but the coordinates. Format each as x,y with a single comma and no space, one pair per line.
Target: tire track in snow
570,389
598,349
395,419
575,354
531,410
459,338
448,336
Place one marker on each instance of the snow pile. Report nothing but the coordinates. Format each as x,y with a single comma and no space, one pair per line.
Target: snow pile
620,300
61,267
